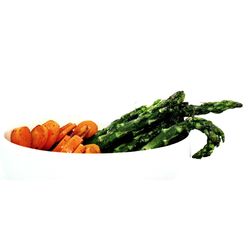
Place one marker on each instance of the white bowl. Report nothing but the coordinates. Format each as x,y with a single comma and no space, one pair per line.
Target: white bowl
26,163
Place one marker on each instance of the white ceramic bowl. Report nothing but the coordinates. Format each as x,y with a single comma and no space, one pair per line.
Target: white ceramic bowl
24,163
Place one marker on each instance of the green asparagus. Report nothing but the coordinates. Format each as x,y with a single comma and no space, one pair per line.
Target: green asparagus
163,123
147,118
210,107
214,135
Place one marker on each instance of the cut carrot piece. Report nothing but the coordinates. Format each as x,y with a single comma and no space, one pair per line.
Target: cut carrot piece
66,129
92,148
21,136
61,144
53,132
92,128
81,130
39,136
80,149
71,145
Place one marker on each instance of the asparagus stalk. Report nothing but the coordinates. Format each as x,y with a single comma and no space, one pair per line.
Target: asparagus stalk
184,110
125,118
142,137
214,135
137,141
153,115
140,126
141,111
210,107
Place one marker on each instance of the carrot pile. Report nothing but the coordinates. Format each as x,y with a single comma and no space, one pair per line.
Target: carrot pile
51,137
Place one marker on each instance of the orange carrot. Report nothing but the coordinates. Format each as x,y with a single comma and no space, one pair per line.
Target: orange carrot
80,149
66,129
61,144
92,128
21,136
92,148
53,132
81,129
71,145
49,136
39,136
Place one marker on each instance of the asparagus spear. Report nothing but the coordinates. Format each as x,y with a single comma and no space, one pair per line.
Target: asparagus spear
207,107
142,137
139,126
137,141
141,111
125,118
184,110
125,129
214,135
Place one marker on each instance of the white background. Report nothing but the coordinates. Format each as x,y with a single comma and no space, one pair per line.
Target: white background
103,58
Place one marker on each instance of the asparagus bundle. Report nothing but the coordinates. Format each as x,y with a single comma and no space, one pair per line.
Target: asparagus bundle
163,123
